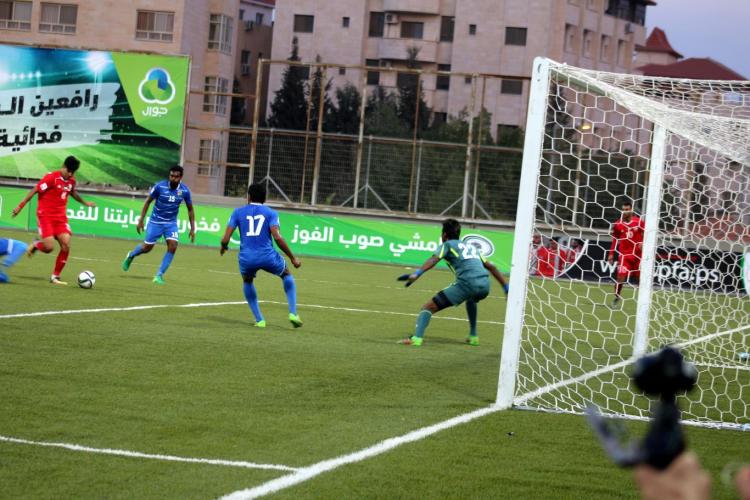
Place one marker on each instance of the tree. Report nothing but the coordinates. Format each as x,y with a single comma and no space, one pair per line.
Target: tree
345,115
409,97
313,94
381,115
289,106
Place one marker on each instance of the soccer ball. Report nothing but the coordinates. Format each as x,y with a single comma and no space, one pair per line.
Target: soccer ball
86,279
744,356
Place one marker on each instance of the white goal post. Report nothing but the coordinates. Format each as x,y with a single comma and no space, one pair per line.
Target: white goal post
679,151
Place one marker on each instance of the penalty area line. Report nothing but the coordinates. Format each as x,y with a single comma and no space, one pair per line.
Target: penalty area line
137,454
306,473
217,304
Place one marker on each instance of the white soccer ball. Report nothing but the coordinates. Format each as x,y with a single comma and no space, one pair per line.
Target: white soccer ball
86,279
744,356
745,427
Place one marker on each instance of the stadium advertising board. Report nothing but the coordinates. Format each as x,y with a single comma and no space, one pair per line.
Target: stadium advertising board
384,241
121,114
693,269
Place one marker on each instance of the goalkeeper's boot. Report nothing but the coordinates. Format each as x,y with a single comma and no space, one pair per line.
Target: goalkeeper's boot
295,320
159,280
616,302
55,280
472,340
126,263
260,324
413,340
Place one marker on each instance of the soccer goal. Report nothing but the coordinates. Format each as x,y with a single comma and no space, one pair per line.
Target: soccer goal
679,151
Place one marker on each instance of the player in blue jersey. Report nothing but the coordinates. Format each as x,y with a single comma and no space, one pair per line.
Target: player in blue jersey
12,250
472,281
259,228
167,195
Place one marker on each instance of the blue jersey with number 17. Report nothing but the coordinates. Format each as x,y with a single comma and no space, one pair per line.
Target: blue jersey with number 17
254,222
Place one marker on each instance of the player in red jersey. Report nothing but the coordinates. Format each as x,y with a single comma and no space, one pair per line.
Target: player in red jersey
53,190
627,240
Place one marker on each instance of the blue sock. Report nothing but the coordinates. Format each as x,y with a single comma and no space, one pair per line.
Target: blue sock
252,300
506,287
471,312
165,262
136,252
290,288
16,252
422,321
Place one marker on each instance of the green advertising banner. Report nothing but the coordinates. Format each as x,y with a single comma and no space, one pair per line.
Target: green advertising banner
121,114
384,241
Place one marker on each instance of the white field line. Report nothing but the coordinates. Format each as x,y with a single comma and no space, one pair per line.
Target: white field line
137,454
520,400
305,473
214,304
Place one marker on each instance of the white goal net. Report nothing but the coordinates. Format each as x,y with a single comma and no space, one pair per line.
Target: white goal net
678,151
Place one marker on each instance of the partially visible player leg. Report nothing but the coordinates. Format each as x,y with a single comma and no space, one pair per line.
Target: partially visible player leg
62,258
142,248
166,261
251,296
290,289
439,302
471,313
12,249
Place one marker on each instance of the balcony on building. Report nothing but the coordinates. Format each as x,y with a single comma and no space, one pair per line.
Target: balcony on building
413,6
396,49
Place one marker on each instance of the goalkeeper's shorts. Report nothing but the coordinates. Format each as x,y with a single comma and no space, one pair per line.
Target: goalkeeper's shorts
459,292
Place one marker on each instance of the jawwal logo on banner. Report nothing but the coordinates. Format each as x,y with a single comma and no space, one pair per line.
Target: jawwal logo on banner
121,114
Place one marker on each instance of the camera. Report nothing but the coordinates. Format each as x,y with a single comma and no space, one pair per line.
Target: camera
665,375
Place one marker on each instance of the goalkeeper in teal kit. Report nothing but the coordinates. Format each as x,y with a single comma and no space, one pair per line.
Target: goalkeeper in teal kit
472,281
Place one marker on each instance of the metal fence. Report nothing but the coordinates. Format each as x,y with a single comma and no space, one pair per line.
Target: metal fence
379,173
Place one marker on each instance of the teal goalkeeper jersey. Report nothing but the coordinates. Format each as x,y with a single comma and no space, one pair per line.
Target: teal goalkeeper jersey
464,260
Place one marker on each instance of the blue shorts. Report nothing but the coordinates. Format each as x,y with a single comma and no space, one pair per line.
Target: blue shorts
154,231
271,263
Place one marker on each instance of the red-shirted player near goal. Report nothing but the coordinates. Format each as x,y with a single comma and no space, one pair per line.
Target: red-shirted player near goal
627,240
53,190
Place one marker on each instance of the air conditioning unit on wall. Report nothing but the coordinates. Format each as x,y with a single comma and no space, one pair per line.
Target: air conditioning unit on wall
391,19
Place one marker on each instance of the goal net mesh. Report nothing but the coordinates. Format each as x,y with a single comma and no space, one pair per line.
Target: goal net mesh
576,346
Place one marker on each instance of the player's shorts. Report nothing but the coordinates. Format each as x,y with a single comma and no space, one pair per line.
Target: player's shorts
629,265
155,231
50,228
460,292
272,263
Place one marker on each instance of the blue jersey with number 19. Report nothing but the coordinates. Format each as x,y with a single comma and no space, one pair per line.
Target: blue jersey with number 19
254,222
167,201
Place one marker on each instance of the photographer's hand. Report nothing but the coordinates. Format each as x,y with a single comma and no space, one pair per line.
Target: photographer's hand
684,479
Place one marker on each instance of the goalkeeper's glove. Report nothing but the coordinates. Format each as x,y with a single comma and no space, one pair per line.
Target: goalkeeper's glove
410,278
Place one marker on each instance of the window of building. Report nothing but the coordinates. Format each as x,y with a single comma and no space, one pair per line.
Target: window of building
342,70
515,36
373,77
447,23
588,43
245,58
304,24
345,22
570,37
242,14
411,29
377,24
510,86
210,158
258,18
472,29
15,15
212,102
443,81
220,33
592,4
58,18
467,80
154,25
407,80
622,52
604,51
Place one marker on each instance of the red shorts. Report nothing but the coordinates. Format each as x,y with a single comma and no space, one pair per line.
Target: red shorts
629,265
49,228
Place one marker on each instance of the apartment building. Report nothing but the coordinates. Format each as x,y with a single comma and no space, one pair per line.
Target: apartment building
500,37
209,31
254,43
